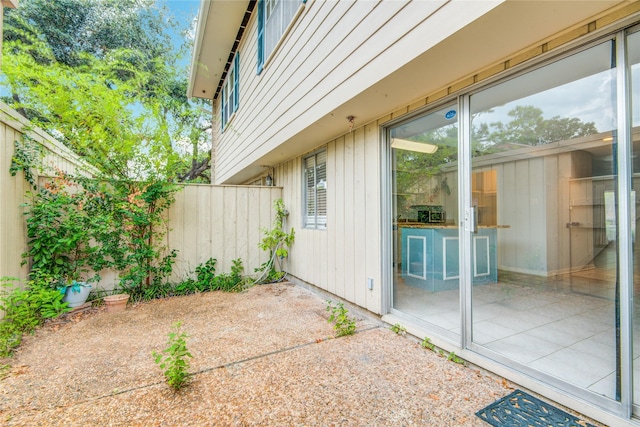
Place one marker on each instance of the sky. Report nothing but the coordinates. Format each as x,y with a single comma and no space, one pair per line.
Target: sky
184,11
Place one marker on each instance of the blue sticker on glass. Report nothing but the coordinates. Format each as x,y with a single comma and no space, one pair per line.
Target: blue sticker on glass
450,114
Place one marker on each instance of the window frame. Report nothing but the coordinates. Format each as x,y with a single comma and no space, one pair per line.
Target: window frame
263,56
314,221
230,93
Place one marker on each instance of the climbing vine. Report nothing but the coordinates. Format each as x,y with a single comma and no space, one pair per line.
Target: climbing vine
26,157
276,241
76,225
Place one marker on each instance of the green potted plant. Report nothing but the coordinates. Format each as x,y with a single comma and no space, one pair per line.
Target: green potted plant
75,293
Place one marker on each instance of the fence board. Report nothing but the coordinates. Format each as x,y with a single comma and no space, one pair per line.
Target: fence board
221,222
55,156
205,221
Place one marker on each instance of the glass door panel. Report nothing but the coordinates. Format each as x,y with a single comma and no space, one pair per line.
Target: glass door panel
425,210
543,186
633,49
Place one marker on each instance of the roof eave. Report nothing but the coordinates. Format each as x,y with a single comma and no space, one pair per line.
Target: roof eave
216,31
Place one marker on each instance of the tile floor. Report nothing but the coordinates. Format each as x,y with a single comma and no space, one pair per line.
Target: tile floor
563,326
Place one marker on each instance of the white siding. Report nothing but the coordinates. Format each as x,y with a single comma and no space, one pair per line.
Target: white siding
342,257
333,52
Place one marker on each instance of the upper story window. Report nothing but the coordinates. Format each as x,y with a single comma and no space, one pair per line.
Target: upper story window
315,190
230,96
274,17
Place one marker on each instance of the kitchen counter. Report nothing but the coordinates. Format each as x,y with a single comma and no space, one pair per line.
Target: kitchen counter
447,226
430,255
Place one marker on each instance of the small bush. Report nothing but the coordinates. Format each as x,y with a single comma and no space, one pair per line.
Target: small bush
426,343
343,324
399,329
231,282
25,310
205,274
173,360
455,359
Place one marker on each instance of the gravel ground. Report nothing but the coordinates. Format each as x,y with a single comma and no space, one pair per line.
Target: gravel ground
264,357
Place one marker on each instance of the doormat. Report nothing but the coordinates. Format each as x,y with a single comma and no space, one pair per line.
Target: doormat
522,409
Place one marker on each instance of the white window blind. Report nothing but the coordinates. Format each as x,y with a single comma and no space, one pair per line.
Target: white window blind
315,178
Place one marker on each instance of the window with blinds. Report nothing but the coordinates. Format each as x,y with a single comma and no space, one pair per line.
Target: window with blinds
230,96
315,190
274,17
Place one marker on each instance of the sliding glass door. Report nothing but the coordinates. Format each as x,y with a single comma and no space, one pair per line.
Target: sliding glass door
425,216
514,216
633,49
545,188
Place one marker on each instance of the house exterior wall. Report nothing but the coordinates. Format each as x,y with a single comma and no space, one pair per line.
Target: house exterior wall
341,258
333,51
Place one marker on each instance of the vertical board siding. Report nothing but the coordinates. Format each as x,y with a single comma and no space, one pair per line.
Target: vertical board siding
341,258
332,238
359,229
372,220
349,218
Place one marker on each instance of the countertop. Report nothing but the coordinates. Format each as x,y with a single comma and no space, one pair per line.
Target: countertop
447,226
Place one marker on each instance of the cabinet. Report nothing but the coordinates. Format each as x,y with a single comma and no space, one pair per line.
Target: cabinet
484,192
430,257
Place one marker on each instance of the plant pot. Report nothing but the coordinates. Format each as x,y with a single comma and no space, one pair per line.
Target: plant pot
116,302
75,296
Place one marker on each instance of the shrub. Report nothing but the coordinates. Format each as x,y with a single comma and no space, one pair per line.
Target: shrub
173,360
343,324
25,310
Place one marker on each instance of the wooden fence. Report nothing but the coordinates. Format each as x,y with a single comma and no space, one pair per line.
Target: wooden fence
13,238
206,221
221,222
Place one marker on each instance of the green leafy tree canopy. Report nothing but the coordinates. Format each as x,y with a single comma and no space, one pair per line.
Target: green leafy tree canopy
104,78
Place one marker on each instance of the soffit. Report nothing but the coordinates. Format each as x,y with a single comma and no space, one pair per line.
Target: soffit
218,25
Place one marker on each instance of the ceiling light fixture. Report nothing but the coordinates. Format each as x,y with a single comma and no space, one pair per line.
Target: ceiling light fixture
421,147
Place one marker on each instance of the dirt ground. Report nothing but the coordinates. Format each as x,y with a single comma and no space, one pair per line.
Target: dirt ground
264,357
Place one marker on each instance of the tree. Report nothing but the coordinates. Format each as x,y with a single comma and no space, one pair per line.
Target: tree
529,127
102,76
419,177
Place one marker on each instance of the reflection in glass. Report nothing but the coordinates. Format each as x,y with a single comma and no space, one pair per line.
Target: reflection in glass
542,162
425,207
633,48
